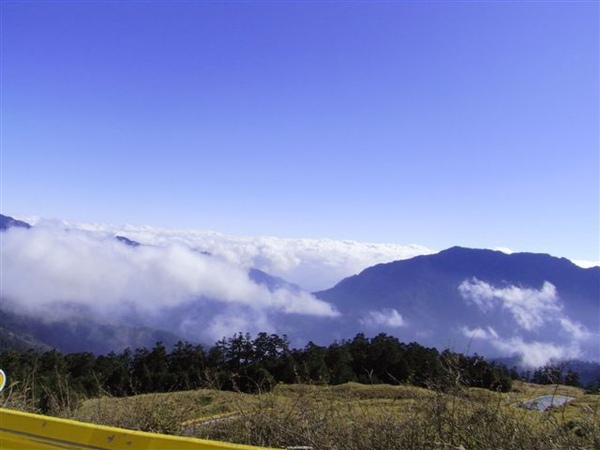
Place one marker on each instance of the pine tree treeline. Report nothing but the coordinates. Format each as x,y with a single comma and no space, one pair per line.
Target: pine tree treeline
248,364
552,374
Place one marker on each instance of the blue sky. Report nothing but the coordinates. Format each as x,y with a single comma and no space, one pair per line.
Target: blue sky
436,123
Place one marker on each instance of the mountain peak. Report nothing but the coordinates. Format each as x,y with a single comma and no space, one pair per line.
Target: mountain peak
7,222
503,303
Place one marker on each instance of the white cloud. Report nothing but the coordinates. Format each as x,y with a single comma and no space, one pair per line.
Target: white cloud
585,264
387,318
530,308
532,353
50,272
506,250
535,353
313,264
576,330
537,312
235,320
479,333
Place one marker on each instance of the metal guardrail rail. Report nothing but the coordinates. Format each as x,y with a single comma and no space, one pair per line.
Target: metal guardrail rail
25,431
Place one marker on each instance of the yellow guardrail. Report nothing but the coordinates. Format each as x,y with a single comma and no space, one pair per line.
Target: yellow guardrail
25,431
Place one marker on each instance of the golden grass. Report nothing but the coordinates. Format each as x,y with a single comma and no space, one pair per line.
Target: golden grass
354,416
162,413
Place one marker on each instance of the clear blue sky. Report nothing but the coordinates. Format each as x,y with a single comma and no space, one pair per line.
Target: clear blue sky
437,123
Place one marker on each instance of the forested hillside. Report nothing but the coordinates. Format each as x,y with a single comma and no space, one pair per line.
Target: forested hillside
246,364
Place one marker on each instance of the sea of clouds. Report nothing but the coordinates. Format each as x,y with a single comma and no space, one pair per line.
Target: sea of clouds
57,270
312,264
198,283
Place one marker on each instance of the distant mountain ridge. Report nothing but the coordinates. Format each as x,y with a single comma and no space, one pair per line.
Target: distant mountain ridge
480,298
525,305
408,279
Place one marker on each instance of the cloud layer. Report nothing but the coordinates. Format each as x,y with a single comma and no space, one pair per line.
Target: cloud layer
541,331
529,307
197,284
313,264
52,272
383,319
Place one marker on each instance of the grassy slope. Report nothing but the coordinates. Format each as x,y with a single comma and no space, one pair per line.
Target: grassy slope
354,416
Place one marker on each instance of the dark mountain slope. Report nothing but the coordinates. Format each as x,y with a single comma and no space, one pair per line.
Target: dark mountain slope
425,291
75,335
436,278
7,222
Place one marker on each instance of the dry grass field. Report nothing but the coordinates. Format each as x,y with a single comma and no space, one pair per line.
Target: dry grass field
353,416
